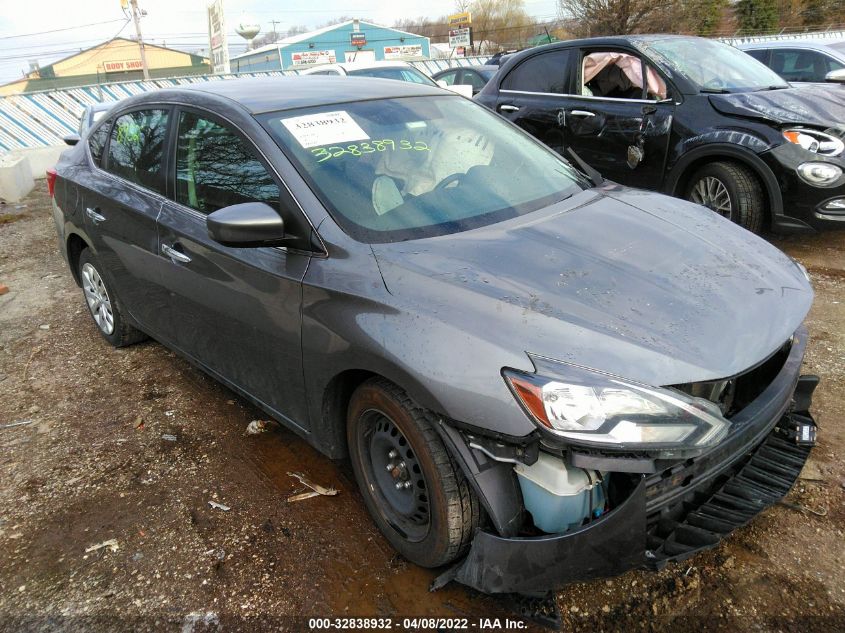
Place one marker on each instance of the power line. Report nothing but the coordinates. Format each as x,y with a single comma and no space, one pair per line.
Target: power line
67,28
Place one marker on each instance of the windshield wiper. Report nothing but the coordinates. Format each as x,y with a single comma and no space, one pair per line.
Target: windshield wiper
774,87
715,91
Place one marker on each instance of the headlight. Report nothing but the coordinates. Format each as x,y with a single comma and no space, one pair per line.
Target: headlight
815,141
603,411
819,174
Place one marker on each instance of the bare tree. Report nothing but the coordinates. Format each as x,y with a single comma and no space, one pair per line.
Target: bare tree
621,17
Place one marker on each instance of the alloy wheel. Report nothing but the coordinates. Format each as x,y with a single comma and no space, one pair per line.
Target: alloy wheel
98,299
713,194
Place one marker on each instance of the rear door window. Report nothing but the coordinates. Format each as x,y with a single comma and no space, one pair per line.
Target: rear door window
136,148
546,73
215,167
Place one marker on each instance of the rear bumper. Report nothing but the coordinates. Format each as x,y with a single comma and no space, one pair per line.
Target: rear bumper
670,515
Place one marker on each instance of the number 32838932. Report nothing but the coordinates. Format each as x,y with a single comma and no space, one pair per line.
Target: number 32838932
323,154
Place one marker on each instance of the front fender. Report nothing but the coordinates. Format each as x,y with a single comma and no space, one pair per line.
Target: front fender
740,146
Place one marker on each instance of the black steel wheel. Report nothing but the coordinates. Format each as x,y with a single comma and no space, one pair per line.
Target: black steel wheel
391,463
417,495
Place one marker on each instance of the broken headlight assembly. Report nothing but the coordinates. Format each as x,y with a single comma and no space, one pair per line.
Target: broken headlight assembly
598,410
815,141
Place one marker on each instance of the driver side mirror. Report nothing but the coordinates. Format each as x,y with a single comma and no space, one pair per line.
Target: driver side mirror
71,139
836,76
249,224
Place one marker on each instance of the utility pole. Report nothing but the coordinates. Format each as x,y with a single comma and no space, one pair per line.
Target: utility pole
274,23
136,16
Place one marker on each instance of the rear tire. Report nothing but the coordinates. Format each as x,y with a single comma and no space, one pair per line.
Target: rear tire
415,492
103,305
731,190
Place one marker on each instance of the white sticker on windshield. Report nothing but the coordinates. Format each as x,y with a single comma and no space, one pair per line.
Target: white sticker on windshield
313,130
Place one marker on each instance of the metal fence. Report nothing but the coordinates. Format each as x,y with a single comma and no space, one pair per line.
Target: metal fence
816,36
40,119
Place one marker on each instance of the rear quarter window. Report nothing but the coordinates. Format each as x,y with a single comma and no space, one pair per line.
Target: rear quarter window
97,142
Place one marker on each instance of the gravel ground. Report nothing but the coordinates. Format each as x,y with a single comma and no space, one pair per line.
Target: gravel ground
129,447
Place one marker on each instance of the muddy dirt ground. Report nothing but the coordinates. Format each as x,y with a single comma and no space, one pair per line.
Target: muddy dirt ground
133,444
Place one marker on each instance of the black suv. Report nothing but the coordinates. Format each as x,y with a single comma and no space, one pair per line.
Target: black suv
709,123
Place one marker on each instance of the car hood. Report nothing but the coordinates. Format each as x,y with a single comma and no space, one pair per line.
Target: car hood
816,106
628,282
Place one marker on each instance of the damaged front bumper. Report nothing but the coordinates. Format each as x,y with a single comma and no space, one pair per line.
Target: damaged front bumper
670,514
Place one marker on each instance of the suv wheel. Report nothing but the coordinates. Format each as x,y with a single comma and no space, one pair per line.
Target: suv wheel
731,190
103,304
417,495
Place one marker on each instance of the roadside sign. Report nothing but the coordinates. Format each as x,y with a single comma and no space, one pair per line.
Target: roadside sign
460,19
460,37
358,39
308,58
217,45
403,52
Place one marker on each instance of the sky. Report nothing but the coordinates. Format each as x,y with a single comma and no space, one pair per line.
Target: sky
182,23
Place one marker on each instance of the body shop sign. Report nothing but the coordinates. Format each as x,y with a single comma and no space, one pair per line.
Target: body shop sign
123,66
402,52
307,58
358,39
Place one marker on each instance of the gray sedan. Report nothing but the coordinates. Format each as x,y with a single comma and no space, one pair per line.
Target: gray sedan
800,62
541,375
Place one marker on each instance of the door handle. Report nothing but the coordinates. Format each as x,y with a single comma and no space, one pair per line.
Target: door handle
95,217
174,255
585,113
506,107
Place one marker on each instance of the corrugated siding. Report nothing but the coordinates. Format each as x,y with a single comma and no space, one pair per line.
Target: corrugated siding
43,118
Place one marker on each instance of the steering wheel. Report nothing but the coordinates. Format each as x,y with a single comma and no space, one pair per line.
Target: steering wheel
448,180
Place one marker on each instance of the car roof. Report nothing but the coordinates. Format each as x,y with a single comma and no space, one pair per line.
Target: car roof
363,65
266,94
813,44
605,40
103,105
491,67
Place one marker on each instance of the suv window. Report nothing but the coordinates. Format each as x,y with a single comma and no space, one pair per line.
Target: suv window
136,147
795,64
97,141
216,169
547,72
618,75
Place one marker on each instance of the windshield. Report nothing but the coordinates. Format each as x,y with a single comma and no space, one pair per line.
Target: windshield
402,74
396,169
713,66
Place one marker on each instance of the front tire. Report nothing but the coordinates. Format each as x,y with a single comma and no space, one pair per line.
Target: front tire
417,495
103,305
732,190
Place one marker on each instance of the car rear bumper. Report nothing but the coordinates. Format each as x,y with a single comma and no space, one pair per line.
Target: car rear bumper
671,514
